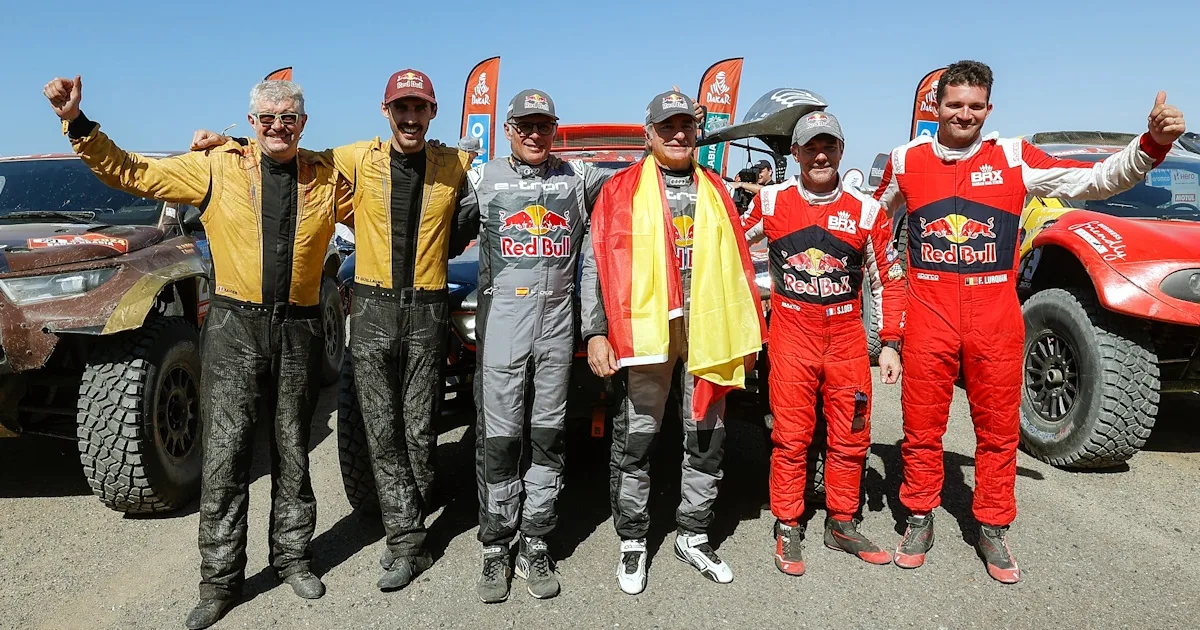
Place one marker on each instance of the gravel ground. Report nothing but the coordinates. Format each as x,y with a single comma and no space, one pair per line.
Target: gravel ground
1098,550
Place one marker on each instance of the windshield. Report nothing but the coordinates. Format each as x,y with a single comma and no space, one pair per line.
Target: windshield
68,185
1167,192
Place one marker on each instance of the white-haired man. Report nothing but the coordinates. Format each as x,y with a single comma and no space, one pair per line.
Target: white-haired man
262,340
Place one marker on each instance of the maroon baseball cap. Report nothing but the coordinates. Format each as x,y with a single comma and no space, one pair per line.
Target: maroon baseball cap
407,83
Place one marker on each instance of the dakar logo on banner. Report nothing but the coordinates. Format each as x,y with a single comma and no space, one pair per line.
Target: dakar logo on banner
480,95
929,103
718,92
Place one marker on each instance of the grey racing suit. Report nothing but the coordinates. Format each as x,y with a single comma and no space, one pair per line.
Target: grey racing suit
532,221
640,396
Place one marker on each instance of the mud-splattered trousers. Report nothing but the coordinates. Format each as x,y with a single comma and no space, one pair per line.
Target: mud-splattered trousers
260,361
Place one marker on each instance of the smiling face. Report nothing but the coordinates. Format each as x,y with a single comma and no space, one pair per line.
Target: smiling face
531,137
673,140
819,159
277,126
409,118
961,113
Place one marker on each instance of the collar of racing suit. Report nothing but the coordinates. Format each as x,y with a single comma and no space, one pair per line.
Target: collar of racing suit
527,170
953,155
819,199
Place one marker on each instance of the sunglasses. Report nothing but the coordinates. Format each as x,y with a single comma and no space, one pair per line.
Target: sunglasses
526,128
287,119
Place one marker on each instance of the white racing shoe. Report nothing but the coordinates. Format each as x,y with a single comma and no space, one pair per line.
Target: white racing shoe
631,570
695,550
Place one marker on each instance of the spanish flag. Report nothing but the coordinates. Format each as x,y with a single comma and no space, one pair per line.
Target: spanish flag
641,286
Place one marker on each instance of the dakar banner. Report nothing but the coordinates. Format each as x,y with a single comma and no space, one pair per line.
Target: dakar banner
479,107
719,92
282,74
924,118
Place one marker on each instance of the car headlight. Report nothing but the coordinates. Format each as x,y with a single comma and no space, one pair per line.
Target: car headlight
32,289
1183,285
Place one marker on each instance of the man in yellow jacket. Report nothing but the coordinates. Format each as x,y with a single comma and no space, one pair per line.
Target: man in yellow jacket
405,195
269,211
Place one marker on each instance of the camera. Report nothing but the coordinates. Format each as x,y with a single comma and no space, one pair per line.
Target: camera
742,197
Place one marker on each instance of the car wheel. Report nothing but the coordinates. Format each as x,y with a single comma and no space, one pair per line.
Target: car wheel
353,454
874,345
1091,385
333,321
139,417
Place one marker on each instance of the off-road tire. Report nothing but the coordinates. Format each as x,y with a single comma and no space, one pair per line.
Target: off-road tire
353,453
333,321
125,459
874,345
1117,401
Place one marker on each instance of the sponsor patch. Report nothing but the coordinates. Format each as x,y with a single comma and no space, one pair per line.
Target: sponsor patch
996,278
896,272
537,101
673,101
842,223
987,176
118,244
1185,198
839,310
928,276
1159,178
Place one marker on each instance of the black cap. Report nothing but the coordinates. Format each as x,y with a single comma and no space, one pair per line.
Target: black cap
530,102
761,164
669,104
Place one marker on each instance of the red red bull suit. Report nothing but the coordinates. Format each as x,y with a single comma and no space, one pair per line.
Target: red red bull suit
822,250
964,211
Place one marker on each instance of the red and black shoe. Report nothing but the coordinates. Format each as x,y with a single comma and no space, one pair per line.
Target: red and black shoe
993,548
789,548
917,541
844,535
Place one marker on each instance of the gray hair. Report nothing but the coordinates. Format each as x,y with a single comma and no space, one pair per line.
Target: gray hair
275,91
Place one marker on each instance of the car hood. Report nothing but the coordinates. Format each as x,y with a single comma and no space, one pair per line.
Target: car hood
30,246
464,269
1122,241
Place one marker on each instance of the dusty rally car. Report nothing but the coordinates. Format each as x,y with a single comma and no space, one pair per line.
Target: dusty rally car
104,294
1111,297
615,146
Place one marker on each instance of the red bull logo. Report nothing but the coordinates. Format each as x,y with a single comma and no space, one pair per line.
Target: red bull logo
410,80
817,264
958,230
537,101
671,101
538,221
685,230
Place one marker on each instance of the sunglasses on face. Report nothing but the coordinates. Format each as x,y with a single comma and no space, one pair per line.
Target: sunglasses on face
526,128
287,119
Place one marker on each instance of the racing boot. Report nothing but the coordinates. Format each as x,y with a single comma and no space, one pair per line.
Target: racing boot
844,535
535,566
694,549
305,584
493,580
402,572
207,612
631,570
789,548
993,549
917,541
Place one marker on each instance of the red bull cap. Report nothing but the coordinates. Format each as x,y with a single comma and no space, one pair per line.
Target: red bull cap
669,104
409,83
814,124
530,102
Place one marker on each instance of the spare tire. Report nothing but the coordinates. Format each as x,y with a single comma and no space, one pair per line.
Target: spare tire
1091,382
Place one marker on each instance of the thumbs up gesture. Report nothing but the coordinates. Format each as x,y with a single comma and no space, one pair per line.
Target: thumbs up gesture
64,96
1165,122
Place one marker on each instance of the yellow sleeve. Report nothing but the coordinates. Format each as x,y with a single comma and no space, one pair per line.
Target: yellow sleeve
345,160
344,202
183,178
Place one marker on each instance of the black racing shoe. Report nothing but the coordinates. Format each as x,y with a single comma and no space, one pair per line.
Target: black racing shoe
993,548
535,566
844,535
789,548
917,541
493,580
403,571
207,612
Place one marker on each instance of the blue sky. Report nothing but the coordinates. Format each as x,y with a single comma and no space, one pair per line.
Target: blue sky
153,72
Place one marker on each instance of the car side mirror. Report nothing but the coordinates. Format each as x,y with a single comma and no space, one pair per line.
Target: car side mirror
191,220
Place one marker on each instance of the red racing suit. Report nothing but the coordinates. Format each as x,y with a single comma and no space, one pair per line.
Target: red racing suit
964,214
823,250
